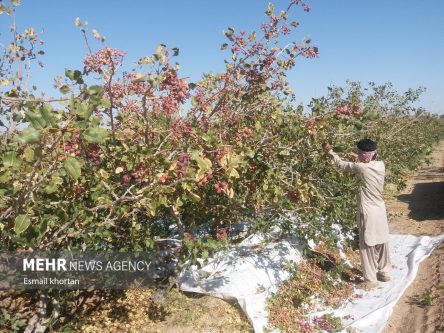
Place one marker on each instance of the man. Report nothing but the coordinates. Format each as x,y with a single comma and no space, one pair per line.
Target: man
371,215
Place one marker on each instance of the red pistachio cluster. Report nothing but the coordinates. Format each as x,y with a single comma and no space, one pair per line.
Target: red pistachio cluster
131,107
207,177
222,234
220,153
311,128
344,110
117,91
220,187
176,93
75,147
126,179
182,164
293,196
141,172
244,134
134,85
103,59
180,128
189,237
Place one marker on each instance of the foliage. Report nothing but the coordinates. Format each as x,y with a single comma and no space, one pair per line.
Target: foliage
115,162
9,323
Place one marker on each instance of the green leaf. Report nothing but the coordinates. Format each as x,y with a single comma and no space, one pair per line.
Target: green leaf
78,77
234,160
95,134
250,153
95,90
200,173
358,125
339,149
50,188
83,110
187,186
21,223
42,228
5,177
29,135
105,103
7,9
159,50
46,112
179,202
72,104
204,163
72,166
74,75
194,197
372,115
53,184
193,101
36,120
104,174
153,207
38,152
232,173
11,160
69,73
252,36
18,117
65,89
139,78
163,200
175,51
224,46
29,154
229,33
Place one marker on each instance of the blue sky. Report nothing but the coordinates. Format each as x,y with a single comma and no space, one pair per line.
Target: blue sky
401,41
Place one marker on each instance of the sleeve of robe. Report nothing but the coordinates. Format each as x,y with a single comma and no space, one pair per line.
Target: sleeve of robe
344,165
372,213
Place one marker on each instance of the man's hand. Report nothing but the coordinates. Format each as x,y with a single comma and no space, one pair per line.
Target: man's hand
326,147
352,157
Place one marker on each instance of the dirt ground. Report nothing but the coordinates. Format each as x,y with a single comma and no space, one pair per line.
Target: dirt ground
419,210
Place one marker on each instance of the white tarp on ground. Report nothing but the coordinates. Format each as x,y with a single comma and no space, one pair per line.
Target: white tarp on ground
253,270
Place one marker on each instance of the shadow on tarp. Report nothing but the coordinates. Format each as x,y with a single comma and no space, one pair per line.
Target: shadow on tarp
426,202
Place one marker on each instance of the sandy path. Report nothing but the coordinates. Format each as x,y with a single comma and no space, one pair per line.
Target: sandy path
420,210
